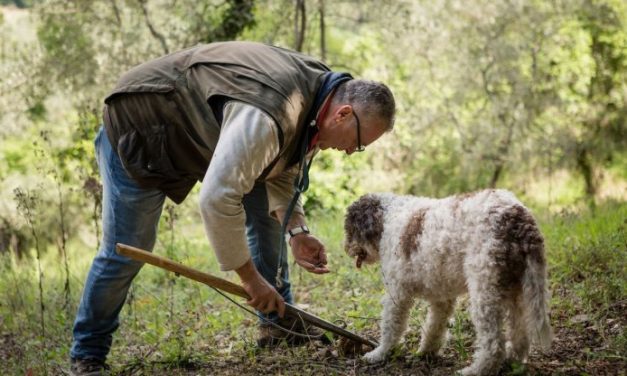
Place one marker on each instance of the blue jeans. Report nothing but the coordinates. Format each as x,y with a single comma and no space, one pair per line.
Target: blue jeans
130,215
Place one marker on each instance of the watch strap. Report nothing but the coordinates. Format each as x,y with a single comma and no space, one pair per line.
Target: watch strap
295,231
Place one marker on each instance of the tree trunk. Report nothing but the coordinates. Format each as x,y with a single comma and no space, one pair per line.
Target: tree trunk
502,150
496,174
300,21
584,165
323,42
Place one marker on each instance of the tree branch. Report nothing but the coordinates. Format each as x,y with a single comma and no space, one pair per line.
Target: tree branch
299,27
323,42
154,32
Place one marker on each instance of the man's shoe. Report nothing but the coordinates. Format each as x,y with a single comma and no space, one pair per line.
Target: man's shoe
88,367
292,331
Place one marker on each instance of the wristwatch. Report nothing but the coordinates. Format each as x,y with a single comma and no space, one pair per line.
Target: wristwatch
295,231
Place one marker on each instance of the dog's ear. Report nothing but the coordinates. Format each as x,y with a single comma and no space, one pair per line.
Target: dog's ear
364,220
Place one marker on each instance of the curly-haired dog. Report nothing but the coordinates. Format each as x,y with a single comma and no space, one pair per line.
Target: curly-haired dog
484,243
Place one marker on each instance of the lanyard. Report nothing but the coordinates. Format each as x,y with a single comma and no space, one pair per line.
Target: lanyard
301,184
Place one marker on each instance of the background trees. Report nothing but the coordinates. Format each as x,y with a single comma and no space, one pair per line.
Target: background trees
527,95
501,91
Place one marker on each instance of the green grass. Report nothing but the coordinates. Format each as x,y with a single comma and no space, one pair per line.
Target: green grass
170,324
588,263
589,251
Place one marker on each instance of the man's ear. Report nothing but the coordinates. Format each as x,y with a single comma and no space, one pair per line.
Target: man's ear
343,111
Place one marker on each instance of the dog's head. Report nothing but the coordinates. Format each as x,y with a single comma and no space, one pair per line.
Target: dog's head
363,228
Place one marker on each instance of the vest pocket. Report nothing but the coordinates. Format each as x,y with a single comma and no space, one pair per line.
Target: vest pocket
145,156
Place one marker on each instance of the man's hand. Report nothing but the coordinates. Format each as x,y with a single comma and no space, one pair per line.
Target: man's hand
309,253
263,297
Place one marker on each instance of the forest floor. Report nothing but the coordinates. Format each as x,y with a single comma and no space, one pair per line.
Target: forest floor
580,347
174,326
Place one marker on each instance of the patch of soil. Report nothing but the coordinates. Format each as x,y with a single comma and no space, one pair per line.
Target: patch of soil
9,348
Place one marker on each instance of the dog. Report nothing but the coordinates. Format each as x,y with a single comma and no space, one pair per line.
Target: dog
486,244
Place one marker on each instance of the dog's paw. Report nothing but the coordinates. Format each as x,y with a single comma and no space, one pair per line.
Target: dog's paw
375,356
428,355
429,350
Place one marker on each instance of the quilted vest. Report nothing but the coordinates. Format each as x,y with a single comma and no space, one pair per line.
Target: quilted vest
163,117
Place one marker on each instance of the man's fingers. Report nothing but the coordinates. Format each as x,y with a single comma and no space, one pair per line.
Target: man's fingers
305,265
270,306
313,258
320,270
256,304
323,256
281,307
259,304
318,255
276,304
316,269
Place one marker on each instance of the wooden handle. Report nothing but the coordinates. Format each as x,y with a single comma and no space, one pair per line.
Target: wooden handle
232,288
167,264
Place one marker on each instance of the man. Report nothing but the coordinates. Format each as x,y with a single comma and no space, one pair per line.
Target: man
245,119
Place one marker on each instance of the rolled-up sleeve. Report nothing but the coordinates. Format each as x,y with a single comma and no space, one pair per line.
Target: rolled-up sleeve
248,144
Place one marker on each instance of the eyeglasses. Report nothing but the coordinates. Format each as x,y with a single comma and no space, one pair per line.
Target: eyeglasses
360,147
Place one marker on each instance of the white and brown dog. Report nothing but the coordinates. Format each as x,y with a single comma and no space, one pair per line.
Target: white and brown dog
485,243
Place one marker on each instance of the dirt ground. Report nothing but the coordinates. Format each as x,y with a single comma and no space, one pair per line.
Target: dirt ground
579,348
572,353
576,350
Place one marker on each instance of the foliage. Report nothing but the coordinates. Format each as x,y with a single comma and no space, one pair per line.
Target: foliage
525,95
56,92
507,86
484,99
17,3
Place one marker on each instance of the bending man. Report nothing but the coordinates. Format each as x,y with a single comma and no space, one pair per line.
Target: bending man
244,118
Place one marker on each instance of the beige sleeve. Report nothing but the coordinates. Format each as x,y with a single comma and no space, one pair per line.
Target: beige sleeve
280,193
248,144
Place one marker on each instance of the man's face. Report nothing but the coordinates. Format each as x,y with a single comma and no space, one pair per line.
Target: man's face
339,130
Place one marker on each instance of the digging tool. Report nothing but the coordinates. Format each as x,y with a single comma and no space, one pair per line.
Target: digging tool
232,288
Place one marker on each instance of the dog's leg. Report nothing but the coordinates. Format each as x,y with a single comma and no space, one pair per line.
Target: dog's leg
434,329
486,311
393,325
517,346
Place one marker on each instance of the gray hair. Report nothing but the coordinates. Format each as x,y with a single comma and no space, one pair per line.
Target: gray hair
373,99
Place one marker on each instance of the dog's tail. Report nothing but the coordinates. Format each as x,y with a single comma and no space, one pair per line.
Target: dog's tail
535,290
